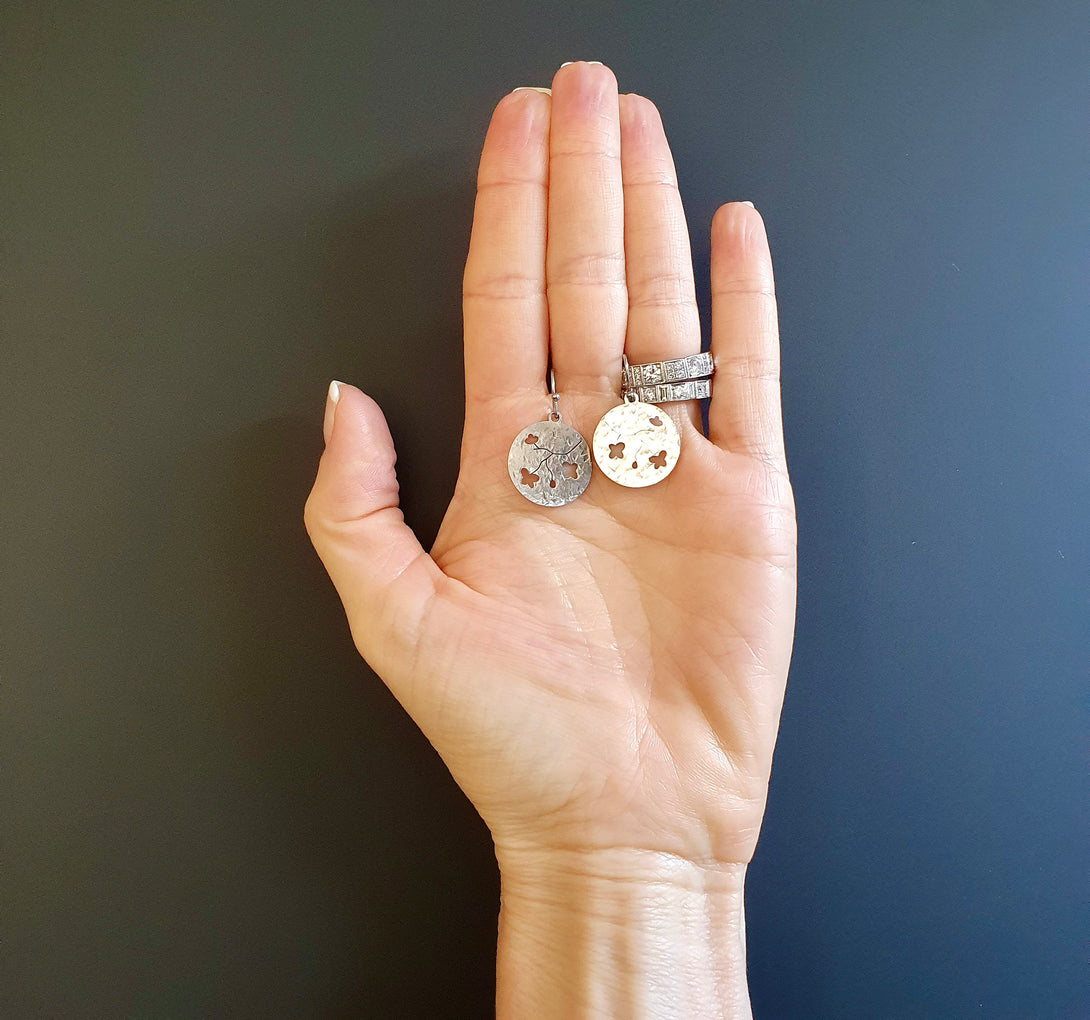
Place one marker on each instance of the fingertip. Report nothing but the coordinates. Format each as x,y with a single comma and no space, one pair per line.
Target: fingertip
634,105
520,122
736,217
353,425
740,245
585,79
352,417
641,121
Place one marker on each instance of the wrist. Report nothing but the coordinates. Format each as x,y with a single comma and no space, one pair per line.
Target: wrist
620,932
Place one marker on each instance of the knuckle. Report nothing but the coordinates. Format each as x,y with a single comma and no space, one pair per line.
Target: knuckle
315,519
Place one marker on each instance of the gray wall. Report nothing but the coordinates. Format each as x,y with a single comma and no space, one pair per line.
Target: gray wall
210,807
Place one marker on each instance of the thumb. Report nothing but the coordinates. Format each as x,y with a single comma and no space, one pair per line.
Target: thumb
384,577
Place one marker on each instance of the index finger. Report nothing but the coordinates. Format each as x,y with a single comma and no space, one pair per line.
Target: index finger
504,308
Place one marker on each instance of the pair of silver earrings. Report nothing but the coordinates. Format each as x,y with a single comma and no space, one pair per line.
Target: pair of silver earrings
635,444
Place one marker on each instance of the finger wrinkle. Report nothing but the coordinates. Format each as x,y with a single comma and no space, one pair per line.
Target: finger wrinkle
590,268
662,179
665,286
662,301
583,153
748,366
756,287
505,288
502,181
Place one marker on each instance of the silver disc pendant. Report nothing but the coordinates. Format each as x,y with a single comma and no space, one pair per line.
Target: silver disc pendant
636,444
549,463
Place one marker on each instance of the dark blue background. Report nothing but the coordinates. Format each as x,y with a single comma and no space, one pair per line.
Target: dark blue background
212,807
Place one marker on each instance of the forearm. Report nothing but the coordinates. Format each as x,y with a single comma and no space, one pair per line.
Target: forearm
625,934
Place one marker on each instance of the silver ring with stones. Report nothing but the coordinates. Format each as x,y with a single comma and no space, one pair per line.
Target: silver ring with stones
651,373
691,389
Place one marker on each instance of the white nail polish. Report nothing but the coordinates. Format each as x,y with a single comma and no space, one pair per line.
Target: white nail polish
533,88
566,62
330,413
598,62
750,204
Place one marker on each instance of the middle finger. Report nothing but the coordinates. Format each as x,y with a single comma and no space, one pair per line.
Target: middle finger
585,267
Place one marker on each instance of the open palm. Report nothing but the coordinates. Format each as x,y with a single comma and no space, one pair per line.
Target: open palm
607,674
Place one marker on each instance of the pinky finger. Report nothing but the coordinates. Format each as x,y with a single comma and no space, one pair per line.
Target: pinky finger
744,415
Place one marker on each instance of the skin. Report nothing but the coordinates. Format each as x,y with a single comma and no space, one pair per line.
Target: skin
603,679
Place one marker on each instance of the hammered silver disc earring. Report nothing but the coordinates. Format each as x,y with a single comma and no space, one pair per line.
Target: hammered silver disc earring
636,443
549,462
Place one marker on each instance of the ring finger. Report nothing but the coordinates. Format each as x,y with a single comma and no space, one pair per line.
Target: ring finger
663,319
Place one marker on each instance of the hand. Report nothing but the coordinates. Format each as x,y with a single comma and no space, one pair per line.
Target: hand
603,679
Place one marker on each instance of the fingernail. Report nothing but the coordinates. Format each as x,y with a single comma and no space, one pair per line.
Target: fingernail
533,88
750,204
330,409
566,62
